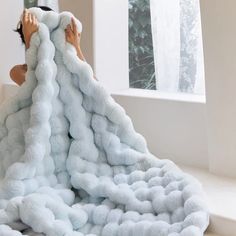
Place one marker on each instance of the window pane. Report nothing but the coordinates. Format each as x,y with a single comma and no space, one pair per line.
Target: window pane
165,44
191,56
141,58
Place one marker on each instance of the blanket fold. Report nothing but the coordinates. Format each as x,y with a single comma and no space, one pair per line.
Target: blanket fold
71,163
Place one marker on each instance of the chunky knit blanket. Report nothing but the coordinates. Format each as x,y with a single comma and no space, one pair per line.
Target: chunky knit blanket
71,163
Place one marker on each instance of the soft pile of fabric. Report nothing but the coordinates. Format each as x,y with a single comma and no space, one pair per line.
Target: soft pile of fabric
71,163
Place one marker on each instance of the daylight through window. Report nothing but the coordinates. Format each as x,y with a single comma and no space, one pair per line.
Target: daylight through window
165,46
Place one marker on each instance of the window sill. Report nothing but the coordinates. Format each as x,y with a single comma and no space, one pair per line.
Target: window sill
153,94
140,93
221,198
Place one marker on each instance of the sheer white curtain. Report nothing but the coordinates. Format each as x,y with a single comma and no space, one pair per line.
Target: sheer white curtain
177,43
49,3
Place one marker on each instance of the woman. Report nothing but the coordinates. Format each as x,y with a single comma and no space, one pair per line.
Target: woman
29,25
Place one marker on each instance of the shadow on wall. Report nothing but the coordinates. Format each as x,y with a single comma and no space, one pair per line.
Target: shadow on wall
83,10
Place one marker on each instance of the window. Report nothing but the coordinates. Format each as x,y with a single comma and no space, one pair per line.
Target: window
141,58
165,46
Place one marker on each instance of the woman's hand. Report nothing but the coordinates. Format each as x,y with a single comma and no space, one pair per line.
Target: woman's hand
72,34
29,26
73,37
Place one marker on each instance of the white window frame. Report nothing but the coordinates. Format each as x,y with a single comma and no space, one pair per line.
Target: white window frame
111,64
112,68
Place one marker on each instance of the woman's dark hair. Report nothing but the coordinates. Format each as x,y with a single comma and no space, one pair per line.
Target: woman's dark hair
19,28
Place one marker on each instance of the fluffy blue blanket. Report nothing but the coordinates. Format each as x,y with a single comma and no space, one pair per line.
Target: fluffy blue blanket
99,180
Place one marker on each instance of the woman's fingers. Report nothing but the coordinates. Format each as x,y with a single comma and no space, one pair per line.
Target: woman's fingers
69,33
35,22
30,18
74,26
25,16
69,30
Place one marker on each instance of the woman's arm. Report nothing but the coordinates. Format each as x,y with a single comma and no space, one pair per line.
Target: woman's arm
73,37
29,26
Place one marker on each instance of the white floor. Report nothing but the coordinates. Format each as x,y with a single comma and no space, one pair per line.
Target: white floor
221,196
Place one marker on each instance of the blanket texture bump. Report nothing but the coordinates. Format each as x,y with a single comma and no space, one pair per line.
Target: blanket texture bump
71,163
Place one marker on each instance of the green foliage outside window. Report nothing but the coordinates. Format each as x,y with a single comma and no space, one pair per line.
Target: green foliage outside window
141,58
30,3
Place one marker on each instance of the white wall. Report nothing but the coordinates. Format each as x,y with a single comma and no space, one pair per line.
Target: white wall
111,49
173,129
11,49
210,130
219,34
